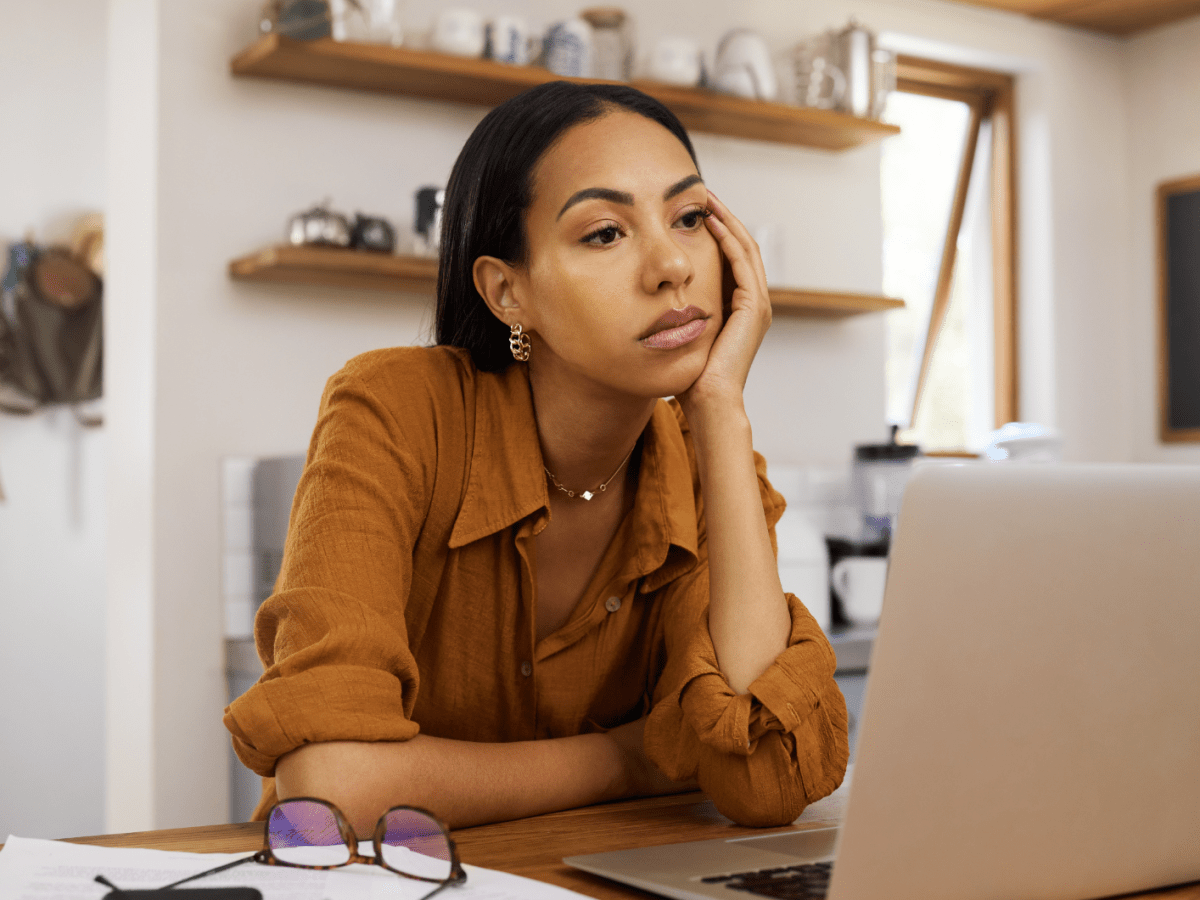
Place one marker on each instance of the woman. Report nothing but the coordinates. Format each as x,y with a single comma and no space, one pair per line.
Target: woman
516,580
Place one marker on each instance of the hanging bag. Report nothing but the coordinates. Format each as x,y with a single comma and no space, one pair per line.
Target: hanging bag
51,330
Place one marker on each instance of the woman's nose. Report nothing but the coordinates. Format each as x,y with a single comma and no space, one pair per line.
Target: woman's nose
665,265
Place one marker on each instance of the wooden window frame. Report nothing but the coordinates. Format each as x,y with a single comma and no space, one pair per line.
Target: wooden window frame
991,98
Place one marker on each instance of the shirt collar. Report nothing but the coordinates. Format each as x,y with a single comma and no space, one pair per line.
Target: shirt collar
506,481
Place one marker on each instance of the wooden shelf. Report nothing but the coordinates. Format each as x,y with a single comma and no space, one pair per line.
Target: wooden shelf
336,267
437,76
828,304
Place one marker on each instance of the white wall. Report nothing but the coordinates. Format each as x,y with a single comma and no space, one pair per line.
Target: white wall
52,69
204,167
1163,72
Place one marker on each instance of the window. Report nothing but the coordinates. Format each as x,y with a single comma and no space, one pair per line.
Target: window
949,250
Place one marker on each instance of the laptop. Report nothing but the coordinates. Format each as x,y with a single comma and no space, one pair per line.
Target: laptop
1031,726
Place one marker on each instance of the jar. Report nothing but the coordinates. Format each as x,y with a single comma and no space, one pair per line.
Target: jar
877,480
612,46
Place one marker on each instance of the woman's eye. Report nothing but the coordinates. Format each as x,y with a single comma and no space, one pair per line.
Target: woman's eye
605,235
692,219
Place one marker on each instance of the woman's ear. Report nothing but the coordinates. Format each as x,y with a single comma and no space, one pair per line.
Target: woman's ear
494,279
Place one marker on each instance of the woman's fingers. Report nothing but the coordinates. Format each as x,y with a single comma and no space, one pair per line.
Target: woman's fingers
738,236
746,322
747,317
740,261
745,263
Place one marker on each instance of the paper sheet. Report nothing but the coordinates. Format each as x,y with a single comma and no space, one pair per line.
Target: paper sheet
32,869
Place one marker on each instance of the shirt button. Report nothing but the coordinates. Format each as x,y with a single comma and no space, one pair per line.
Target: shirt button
612,604
526,669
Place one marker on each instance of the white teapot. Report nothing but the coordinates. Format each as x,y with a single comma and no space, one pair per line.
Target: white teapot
743,66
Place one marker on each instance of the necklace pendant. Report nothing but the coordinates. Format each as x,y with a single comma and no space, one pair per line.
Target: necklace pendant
587,495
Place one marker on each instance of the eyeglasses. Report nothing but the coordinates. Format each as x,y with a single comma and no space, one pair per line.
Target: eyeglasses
307,833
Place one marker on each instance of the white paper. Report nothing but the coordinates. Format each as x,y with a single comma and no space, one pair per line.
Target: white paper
32,869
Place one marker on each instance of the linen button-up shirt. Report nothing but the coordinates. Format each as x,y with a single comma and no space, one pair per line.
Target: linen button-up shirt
407,596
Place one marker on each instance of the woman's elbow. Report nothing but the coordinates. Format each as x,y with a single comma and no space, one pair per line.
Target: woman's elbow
752,793
760,808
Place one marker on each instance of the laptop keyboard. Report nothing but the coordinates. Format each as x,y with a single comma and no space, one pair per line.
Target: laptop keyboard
804,882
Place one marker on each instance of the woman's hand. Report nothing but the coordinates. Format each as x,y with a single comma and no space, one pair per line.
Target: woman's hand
747,316
643,778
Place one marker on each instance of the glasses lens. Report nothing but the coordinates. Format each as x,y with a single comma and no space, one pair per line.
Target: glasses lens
305,833
414,843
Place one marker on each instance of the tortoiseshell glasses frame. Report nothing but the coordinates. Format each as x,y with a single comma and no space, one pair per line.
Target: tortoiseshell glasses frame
408,840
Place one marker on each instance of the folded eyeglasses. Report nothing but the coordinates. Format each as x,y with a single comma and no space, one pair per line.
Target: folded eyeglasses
308,833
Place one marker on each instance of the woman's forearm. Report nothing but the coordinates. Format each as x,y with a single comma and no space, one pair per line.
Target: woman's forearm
748,616
468,783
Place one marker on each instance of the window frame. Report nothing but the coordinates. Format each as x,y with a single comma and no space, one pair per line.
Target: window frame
991,98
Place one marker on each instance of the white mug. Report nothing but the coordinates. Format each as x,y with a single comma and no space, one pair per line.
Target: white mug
508,40
460,32
858,582
675,60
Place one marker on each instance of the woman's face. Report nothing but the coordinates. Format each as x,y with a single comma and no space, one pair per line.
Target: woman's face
622,285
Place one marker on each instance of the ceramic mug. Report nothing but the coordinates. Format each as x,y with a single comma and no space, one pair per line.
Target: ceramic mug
569,49
460,32
858,582
508,40
675,60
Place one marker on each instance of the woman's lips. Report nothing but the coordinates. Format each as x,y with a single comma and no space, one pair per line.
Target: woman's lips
670,338
676,328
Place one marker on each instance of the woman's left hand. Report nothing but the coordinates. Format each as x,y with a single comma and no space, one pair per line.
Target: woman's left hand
747,315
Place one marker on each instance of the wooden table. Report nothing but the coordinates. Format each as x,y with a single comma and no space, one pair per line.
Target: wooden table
534,847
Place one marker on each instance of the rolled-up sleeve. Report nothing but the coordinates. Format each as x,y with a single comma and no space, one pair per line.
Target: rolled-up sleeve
333,637
764,755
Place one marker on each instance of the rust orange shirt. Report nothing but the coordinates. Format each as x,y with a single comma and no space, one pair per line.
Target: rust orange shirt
407,594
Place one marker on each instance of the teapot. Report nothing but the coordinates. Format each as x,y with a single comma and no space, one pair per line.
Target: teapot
743,66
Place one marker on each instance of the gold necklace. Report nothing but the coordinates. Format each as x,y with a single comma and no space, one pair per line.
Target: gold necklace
588,495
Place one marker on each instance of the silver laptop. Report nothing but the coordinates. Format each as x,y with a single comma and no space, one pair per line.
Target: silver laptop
1031,728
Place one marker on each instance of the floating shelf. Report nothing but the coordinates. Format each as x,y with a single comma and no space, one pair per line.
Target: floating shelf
336,267
828,304
438,76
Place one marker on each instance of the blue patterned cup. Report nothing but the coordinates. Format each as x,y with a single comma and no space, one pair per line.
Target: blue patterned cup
508,40
568,49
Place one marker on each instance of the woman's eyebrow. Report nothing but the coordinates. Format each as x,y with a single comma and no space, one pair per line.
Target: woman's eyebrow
624,198
597,193
682,185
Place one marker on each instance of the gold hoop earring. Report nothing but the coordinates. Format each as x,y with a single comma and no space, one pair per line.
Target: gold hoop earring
519,344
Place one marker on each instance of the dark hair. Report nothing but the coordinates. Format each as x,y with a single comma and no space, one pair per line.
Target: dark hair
490,190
